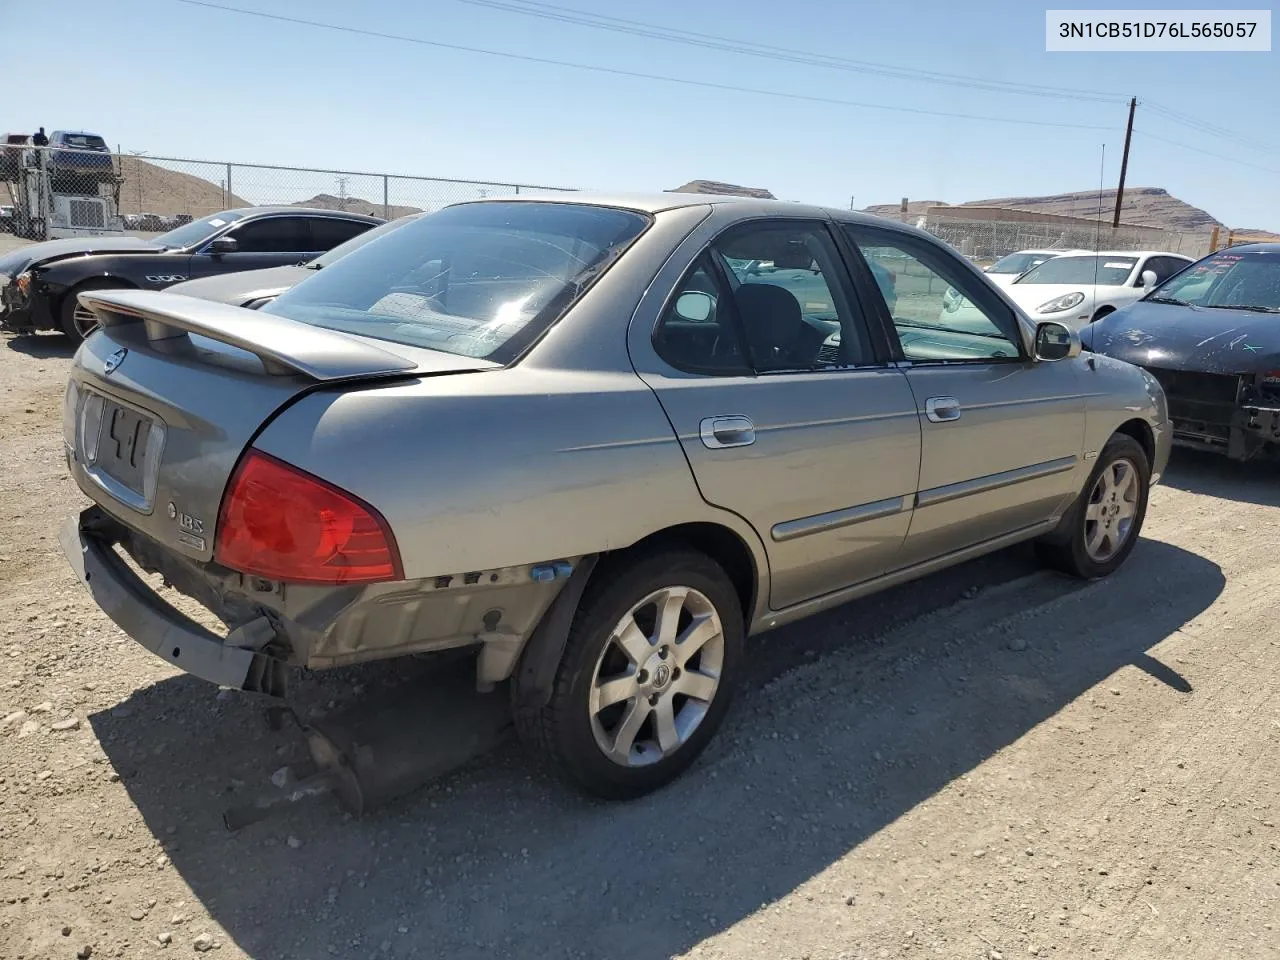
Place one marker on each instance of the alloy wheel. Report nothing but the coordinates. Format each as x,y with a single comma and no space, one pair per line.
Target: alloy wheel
1110,510
657,676
84,319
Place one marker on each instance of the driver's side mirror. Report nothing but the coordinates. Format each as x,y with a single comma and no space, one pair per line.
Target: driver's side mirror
1149,279
223,245
694,306
1056,341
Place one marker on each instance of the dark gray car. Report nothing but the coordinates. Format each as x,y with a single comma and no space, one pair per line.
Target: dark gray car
253,288
589,440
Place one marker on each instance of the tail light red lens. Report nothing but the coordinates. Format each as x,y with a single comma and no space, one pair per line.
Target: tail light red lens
281,523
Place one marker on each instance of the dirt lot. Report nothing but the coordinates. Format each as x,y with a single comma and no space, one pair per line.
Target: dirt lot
996,762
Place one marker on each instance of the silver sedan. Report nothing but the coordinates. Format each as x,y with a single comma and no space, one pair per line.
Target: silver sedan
597,440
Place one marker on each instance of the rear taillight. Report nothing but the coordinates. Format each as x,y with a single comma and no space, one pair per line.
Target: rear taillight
281,523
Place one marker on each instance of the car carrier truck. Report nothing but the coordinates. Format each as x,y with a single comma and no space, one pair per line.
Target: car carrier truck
49,205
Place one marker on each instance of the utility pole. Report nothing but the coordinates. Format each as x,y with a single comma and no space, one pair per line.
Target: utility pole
342,191
137,170
1124,163
851,203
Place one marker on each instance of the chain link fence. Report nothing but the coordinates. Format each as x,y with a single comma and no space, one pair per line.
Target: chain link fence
70,189
985,241
55,191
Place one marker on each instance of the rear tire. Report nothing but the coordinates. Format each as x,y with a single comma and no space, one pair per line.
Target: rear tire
639,694
1104,523
77,322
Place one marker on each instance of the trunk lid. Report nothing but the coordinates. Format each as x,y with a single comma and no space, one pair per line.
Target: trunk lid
164,399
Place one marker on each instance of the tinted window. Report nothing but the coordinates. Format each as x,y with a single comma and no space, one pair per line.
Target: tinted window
476,279
1109,271
1164,267
940,311
1243,280
274,235
327,233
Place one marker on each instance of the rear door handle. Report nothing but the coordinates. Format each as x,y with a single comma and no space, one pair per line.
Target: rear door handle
942,409
719,432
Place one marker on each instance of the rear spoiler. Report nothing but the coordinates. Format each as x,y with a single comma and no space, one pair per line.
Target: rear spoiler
283,345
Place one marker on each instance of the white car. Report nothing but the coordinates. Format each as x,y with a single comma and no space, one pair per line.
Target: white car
1011,266
1077,288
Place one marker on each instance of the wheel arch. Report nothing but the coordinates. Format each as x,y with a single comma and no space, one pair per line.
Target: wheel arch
71,288
1140,430
534,671
722,544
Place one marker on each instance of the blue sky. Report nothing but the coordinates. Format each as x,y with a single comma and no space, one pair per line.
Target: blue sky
186,81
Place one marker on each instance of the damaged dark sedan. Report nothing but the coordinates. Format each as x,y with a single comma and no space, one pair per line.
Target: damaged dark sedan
40,284
1211,336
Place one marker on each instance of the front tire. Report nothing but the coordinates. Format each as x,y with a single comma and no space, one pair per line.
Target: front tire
646,678
1104,523
77,322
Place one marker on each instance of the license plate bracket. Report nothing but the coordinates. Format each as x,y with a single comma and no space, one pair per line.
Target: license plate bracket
122,447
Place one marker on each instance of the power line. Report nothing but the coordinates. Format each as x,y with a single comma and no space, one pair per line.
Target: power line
635,74
559,14
1207,153
1211,129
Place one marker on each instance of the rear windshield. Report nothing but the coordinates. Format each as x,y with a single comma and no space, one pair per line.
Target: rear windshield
1018,262
1110,271
478,279
81,141
1243,280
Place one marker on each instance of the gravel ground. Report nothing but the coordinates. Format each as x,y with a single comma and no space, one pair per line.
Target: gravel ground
995,762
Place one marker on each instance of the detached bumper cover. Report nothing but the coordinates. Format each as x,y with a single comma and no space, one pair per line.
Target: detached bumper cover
146,618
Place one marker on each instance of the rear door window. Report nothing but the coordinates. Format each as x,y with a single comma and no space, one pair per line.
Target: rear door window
328,232
274,235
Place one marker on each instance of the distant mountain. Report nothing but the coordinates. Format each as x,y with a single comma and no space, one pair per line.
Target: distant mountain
149,188
1142,206
326,201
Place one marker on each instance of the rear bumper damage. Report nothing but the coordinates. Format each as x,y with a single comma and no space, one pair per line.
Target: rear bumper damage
232,661
274,626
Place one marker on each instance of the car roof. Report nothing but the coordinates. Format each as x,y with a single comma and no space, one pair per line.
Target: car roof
658,202
1128,253
307,211
1266,246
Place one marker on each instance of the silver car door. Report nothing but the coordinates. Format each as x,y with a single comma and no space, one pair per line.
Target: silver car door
785,408
1002,435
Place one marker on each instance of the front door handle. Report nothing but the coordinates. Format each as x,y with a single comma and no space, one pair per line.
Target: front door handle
719,432
942,409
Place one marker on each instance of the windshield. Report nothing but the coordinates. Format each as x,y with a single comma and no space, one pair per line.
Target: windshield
190,234
1111,271
1227,279
1019,262
478,279
80,141
359,240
